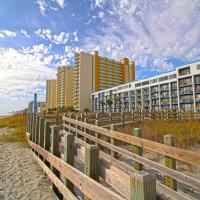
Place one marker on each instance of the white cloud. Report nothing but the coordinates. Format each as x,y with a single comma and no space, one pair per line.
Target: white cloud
61,38
22,73
42,6
24,33
44,33
75,36
7,33
101,14
150,32
61,3
45,5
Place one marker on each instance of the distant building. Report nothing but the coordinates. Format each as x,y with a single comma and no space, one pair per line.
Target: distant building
93,73
65,75
178,89
51,94
41,106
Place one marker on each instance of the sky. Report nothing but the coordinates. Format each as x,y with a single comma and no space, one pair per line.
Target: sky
36,36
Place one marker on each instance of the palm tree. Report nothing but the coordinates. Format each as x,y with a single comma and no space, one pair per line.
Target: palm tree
109,102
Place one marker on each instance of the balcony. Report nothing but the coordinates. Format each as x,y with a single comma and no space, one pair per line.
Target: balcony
186,100
186,92
184,84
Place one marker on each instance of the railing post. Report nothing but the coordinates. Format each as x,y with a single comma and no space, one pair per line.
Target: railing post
97,123
37,130
143,186
110,117
91,163
47,135
69,156
170,162
41,132
31,124
113,141
137,150
55,151
122,118
33,128
85,129
77,118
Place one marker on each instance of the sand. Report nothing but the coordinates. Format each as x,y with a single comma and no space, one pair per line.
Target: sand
20,176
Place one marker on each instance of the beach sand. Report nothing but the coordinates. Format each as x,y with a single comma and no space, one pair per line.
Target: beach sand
20,176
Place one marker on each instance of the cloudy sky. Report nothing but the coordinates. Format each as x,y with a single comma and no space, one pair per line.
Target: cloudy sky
38,35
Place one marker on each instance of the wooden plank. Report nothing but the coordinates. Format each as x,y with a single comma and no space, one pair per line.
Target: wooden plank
177,153
106,161
67,194
88,186
190,181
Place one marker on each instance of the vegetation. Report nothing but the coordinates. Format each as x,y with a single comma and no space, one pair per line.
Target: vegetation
186,131
16,122
86,110
109,102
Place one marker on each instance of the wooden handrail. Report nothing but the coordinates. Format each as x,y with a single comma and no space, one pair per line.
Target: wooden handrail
190,181
88,186
174,152
161,189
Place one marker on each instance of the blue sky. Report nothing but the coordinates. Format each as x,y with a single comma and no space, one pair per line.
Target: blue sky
38,35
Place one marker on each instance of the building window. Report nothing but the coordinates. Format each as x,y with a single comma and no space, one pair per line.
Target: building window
184,71
198,67
172,76
164,78
137,84
145,83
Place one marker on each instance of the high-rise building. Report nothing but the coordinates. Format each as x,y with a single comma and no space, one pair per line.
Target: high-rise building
65,76
93,73
51,94
178,89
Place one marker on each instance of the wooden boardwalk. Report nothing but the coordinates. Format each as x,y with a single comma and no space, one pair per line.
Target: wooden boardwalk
84,160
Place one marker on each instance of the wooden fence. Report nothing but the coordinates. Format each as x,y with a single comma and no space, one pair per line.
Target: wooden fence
85,161
122,118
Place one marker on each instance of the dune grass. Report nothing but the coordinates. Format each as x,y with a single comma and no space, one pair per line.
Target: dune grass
187,132
16,122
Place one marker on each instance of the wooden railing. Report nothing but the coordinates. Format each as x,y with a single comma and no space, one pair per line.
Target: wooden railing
97,150
122,118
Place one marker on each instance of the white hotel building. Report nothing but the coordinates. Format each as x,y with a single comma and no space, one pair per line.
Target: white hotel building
178,89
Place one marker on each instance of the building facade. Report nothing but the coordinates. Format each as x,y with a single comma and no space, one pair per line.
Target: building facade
178,89
94,73
51,94
65,76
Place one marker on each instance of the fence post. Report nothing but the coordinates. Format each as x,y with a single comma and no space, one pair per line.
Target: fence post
137,150
77,118
41,132
170,162
110,117
97,123
113,141
33,128
69,156
47,134
143,186
55,151
91,163
85,130
37,130
122,118
31,125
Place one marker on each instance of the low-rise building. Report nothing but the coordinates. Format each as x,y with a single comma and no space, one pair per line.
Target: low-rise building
178,89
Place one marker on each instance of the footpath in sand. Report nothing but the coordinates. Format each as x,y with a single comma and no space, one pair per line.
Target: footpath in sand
20,176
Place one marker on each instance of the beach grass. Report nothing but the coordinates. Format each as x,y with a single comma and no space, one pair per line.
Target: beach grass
17,124
187,132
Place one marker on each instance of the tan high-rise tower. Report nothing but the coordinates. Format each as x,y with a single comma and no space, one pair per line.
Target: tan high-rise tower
51,94
65,76
93,73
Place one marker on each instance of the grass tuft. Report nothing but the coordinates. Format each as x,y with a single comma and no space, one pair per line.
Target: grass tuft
16,122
